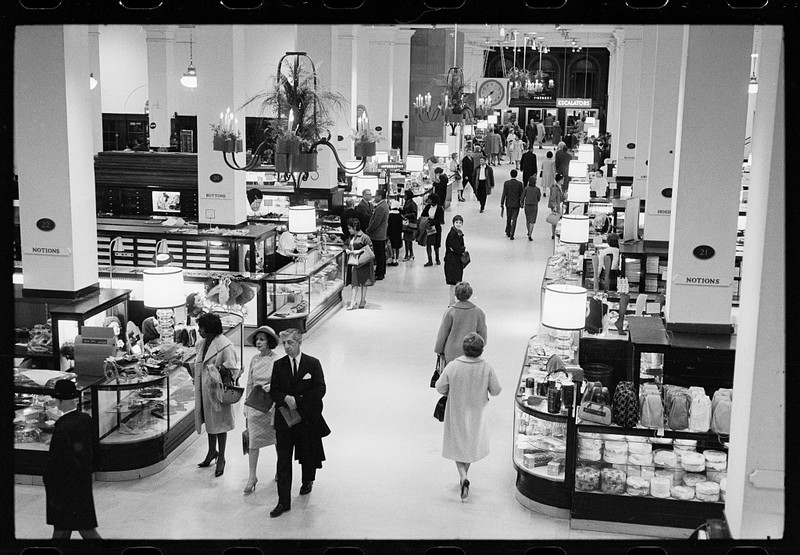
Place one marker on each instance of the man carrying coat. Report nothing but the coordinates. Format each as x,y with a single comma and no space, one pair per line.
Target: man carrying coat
298,386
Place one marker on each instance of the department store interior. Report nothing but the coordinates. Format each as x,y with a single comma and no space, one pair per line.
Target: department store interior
170,129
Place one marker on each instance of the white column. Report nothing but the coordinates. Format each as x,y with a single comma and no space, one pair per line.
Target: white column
706,182
344,81
643,119
96,94
663,124
755,505
751,98
614,122
52,106
401,86
219,56
612,118
380,69
160,44
628,100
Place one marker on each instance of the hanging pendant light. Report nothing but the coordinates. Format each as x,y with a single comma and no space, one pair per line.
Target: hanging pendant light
92,81
189,78
752,87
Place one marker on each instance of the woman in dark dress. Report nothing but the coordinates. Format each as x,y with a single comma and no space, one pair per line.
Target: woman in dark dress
453,249
358,277
409,214
394,231
435,214
68,475
440,184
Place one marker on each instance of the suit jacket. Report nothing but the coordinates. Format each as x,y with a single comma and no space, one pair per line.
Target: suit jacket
562,162
528,165
489,176
530,132
378,222
364,211
307,392
512,194
440,187
467,167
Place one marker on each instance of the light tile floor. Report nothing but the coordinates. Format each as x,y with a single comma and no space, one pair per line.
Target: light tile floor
384,477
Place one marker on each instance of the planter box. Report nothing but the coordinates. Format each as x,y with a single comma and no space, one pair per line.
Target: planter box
282,146
296,163
364,149
227,145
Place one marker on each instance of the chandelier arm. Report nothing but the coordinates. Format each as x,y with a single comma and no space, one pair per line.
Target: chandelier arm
350,171
234,165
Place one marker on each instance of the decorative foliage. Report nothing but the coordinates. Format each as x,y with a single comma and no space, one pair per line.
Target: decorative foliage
366,135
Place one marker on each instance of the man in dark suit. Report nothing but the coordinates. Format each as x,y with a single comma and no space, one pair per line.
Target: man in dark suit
528,164
563,159
484,177
298,386
511,200
376,229
530,132
467,169
364,209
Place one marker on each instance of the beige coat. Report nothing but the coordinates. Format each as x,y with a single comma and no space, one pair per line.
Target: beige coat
459,320
220,351
467,382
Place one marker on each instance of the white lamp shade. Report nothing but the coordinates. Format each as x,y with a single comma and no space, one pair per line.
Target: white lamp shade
92,81
365,182
414,162
586,154
381,157
468,129
163,287
590,120
491,119
577,168
579,191
564,307
189,78
574,228
483,124
302,219
441,150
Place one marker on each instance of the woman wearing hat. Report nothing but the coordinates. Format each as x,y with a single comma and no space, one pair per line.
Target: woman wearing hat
68,476
260,429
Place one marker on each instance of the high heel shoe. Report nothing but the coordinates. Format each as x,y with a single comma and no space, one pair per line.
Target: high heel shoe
220,468
429,263
351,306
362,304
464,489
209,459
250,487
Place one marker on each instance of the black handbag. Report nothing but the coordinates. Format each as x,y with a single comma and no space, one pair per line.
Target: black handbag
436,371
465,259
438,411
231,393
259,399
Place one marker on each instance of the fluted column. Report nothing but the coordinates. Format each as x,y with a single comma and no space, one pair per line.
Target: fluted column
160,43
644,118
628,115
96,93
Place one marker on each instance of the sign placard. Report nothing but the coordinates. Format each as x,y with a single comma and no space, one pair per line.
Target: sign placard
49,251
703,252
659,211
46,224
573,102
706,281
217,196
391,166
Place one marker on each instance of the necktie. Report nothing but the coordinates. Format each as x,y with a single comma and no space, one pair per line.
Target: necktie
294,367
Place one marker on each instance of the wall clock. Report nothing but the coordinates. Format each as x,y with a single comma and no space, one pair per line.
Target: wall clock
493,89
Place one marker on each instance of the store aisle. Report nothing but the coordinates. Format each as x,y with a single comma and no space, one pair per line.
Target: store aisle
384,476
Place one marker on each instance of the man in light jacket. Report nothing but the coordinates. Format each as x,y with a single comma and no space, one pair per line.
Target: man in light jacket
376,229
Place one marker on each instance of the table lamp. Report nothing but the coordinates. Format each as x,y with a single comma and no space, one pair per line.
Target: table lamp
363,182
577,168
302,221
441,150
586,154
579,193
415,163
116,245
163,290
564,309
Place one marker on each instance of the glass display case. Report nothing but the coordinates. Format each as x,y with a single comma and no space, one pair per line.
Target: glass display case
301,292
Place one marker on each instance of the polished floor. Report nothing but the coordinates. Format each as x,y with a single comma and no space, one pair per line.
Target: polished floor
384,477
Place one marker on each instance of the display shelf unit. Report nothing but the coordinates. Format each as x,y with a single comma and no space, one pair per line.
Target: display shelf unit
328,201
645,267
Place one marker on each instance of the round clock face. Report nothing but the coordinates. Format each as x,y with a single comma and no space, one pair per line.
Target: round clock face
493,89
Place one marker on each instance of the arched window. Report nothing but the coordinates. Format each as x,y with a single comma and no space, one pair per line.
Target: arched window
494,67
549,66
583,77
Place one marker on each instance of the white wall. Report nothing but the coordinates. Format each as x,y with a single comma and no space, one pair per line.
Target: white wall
123,66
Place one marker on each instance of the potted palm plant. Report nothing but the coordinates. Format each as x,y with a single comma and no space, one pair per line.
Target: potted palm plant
366,140
227,138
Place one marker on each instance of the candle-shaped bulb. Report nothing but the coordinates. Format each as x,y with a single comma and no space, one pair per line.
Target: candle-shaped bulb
291,120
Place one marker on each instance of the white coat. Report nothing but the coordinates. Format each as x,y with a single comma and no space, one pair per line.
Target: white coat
220,351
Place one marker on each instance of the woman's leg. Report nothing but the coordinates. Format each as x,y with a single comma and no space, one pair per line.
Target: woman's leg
90,534
353,294
462,471
222,440
62,534
436,250
428,250
212,444
452,295
252,459
363,302
530,229
553,233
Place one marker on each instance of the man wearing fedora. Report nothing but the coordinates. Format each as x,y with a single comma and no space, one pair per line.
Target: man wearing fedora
68,476
298,386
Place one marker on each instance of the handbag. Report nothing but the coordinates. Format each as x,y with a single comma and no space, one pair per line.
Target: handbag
367,256
465,259
552,218
437,370
245,442
438,411
231,392
259,399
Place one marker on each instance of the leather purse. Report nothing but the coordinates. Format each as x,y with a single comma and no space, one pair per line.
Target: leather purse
465,259
367,256
552,218
231,392
259,399
438,411
436,371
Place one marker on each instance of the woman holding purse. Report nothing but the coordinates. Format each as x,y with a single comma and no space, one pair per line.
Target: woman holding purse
215,353
556,201
453,249
409,214
434,213
358,277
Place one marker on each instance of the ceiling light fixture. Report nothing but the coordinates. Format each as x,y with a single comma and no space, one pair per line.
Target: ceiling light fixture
752,87
92,81
189,78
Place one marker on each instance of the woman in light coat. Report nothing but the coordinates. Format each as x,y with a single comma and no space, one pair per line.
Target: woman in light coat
214,351
467,381
260,428
459,320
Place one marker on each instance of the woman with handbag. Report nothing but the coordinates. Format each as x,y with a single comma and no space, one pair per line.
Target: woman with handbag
434,213
409,214
453,251
259,409
556,201
215,356
360,274
467,381
531,195
461,318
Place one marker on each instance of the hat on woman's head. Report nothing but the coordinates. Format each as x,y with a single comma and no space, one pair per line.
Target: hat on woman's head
65,390
272,337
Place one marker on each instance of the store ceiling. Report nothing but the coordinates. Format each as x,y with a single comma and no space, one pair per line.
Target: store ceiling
555,36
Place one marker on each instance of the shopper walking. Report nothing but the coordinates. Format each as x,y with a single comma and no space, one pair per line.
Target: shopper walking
529,164
511,200
376,229
467,171
358,277
557,132
440,186
530,132
514,149
484,177
394,232
563,159
260,430
531,196
548,126
453,250
454,175
434,213
364,208
68,474
548,172
298,386
599,185
459,319
409,214
467,381
556,201
215,356
493,145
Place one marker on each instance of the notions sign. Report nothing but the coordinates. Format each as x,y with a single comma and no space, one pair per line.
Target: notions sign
707,281
49,251
573,102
